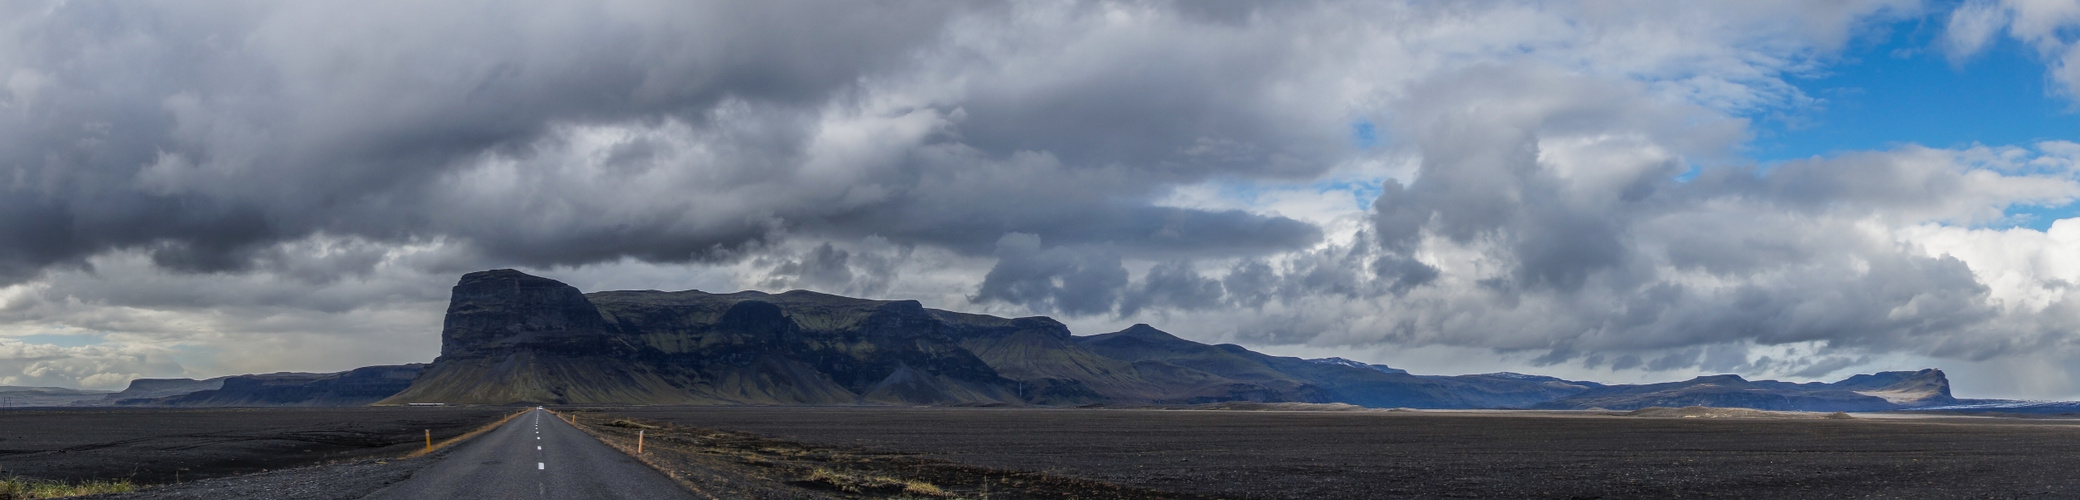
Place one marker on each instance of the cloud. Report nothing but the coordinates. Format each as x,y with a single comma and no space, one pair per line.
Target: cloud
1971,27
1173,285
1071,280
2043,25
1552,184
647,130
99,367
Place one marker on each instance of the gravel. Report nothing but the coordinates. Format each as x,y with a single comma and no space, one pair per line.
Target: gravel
338,481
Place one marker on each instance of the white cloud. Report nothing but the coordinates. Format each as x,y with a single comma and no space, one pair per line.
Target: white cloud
100,367
2044,25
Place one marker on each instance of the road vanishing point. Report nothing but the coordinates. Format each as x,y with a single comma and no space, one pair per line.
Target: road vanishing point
535,456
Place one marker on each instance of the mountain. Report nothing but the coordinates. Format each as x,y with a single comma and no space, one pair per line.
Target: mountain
2006,407
1358,364
1881,391
357,387
16,396
513,337
510,337
144,390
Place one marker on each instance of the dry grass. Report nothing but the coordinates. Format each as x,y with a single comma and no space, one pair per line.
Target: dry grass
923,488
437,445
719,464
16,488
629,424
853,482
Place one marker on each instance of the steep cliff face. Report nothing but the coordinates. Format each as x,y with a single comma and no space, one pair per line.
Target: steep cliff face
494,314
1919,388
511,337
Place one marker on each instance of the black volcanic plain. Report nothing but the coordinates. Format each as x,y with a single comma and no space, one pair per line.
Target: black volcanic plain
1386,454
162,445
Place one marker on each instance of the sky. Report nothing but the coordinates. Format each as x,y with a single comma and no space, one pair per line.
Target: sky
1608,190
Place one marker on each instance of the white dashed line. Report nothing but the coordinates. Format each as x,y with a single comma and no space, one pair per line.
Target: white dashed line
540,466
537,448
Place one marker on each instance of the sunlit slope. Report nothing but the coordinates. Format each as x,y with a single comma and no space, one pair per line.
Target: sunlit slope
1872,392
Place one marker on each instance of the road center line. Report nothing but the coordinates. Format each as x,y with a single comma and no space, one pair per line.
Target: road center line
540,466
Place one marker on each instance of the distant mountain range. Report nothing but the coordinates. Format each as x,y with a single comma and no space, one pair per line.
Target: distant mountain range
357,387
17,396
510,338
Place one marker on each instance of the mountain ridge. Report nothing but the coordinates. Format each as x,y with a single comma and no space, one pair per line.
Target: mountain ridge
510,337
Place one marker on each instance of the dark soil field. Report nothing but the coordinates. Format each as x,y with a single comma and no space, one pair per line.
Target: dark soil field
1390,454
155,446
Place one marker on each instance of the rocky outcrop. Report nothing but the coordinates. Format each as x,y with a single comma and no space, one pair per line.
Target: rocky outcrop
493,314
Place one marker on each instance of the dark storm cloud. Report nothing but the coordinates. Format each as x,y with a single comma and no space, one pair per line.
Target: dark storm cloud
1172,285
1070,280
207,133
826,268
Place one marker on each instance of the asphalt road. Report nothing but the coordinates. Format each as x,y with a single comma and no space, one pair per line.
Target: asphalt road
535,456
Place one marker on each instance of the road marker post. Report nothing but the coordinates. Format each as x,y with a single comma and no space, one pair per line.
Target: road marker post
639,441
429,440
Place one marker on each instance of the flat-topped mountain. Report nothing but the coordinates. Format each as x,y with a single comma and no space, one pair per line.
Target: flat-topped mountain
17,396
510,337
145,390
356,387
1881,391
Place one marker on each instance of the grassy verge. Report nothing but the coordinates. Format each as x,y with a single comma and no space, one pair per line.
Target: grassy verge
17,488
437,445
722,464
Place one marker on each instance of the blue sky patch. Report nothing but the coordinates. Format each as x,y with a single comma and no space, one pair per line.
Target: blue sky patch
1899,88
1364,134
